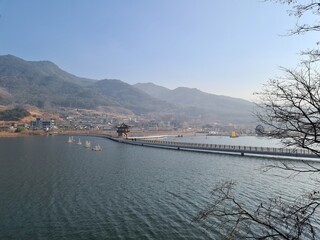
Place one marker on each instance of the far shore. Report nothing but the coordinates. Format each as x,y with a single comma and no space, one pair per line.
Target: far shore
21,134
134,134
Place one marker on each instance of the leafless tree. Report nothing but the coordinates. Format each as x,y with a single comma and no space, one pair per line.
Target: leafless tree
289,107
300,9
307,17
273,219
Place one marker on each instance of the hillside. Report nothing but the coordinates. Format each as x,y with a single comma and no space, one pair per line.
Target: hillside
44,85
127,96
153,90
219,107
15,114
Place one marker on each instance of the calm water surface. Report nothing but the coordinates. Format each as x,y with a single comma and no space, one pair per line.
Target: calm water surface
225,140
53,190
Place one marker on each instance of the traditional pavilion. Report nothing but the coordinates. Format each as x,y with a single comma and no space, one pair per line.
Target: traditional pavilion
123,130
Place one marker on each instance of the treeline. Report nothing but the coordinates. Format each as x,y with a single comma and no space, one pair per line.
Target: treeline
14,114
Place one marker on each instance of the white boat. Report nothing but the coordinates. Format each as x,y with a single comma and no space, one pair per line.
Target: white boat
79,142
87,144
70,140
96,148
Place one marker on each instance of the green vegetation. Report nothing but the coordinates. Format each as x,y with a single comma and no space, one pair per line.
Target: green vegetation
46,86
20,129
14,114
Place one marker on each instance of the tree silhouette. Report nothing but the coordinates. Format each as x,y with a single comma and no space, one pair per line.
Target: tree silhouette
289,107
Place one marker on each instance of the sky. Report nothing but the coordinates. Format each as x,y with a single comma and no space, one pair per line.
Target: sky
223,47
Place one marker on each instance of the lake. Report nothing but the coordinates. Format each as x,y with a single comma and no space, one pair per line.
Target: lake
54,190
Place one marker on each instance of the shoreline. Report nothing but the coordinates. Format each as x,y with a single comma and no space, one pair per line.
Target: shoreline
149,134
21,134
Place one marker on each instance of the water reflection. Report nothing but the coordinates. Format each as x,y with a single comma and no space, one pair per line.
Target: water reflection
54,190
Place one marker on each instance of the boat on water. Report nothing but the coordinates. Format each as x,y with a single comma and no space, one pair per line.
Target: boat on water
96,148
70,140
79,142
87,144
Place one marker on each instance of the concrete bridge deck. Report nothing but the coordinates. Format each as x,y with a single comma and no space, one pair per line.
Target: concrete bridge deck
220,148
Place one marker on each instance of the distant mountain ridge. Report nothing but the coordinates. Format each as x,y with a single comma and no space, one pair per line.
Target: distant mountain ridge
127,96
44,85
221,106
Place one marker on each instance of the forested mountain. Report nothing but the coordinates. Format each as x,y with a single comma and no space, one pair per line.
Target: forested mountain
127,96
222,107
44,85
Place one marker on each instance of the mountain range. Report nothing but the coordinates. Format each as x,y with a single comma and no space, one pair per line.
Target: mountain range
222,107
44,85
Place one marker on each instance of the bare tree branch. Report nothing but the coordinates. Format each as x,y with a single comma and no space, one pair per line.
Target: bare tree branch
300,10
304,11
272,219
289,109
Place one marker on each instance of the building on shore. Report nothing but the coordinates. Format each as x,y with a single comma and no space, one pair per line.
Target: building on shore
41,124
123,130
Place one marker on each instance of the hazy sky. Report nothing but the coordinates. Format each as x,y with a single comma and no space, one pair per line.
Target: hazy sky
223,47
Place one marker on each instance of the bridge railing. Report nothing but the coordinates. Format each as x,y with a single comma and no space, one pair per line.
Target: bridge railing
229,147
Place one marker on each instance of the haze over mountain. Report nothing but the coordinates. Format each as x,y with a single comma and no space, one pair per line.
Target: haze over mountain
223,107
44,85
124,95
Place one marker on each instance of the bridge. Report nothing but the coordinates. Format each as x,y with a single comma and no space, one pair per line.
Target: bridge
220,148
